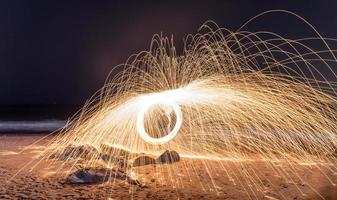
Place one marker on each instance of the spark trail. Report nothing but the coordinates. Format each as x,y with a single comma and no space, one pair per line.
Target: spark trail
228,95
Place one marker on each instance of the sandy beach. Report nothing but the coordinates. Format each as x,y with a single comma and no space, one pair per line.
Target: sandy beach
187,179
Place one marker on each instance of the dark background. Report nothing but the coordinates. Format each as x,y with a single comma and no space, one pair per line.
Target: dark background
56,54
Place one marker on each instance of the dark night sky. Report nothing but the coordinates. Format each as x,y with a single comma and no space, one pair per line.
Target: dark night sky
60,52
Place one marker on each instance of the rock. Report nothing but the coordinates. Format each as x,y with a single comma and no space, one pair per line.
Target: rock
168,157
99,175
143,160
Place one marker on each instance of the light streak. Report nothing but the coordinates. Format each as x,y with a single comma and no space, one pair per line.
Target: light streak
233,95
158,98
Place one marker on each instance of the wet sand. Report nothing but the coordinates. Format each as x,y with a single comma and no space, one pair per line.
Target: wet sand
187,179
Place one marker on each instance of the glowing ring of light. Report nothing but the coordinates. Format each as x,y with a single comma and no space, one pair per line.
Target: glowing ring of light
157,141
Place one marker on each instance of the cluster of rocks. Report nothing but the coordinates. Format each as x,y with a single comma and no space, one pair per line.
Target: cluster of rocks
167,157
110,154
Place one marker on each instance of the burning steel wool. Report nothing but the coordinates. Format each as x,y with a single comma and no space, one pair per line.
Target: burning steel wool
230,95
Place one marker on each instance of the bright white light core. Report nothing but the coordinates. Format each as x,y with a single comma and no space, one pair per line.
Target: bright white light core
149,101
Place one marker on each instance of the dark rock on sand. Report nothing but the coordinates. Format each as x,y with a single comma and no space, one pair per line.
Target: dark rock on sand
143,160
99,175
89,176
168,157
164,158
